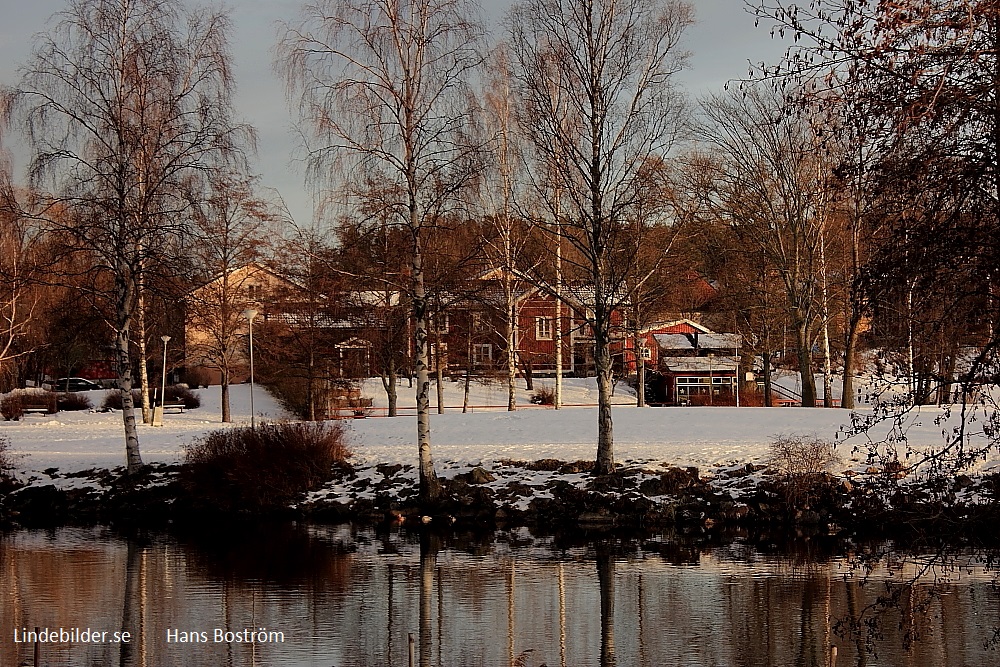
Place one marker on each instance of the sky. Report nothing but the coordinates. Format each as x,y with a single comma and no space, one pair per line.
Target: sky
720,44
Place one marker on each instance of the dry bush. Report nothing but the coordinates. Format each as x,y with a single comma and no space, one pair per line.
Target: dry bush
544,395
6,461
113,399
797,455
803,464
179,392
11,407
73,402
245,469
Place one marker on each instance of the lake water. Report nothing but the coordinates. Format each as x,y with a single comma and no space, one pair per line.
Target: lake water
333,596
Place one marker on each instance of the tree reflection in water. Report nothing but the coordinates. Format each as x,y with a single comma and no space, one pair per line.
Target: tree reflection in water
429,545
352,597
606,581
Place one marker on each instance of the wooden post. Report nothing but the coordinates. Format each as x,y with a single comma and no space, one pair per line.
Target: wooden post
833,656
412,650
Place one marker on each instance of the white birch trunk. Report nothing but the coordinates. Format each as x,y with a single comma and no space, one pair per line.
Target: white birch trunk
124,299
147,412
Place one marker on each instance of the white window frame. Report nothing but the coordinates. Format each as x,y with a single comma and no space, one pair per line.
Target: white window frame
478,356
543,328
441,324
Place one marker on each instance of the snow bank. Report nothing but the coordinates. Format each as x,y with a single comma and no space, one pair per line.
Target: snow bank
700,436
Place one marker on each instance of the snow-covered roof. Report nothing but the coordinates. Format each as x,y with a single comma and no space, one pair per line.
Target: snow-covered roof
704,341
318,321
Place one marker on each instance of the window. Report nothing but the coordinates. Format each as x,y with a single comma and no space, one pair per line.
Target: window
254,293
692,386
441,323
543,328
646,352
699,386
482,354
478,322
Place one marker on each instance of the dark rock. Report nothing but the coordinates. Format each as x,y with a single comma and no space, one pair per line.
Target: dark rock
477,476
577,467
672,482
520,489
388,470
545,465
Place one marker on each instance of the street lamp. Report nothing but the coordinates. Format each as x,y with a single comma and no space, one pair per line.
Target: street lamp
251,313
163,382
158,409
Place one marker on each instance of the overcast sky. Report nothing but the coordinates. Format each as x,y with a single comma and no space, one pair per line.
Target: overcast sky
720,44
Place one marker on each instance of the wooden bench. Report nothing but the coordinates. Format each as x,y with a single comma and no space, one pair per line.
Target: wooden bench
37,409
342,407
177,406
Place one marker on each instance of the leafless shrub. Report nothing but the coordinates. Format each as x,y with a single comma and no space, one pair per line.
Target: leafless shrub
6,460
113,400
11,407
544,395
179,392
246,469
73,401
803,464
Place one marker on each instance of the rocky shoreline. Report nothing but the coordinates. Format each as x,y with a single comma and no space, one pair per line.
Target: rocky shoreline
546,495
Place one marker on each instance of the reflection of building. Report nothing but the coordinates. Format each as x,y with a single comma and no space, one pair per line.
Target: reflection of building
694,365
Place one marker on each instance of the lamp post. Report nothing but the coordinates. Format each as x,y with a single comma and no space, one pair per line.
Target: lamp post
251,313
163,381
158,409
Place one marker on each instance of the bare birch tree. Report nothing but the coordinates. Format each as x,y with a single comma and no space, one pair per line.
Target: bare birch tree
382,85
20,249
596,79
505,245
120,101
230,226
766,189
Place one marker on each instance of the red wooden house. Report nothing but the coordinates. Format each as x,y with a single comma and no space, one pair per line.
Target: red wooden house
470,333
693,365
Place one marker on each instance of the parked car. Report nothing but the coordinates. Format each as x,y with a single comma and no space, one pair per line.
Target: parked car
71,384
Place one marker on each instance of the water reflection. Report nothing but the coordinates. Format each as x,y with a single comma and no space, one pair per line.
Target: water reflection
353,598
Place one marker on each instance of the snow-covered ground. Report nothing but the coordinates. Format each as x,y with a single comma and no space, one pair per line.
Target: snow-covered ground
702,436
